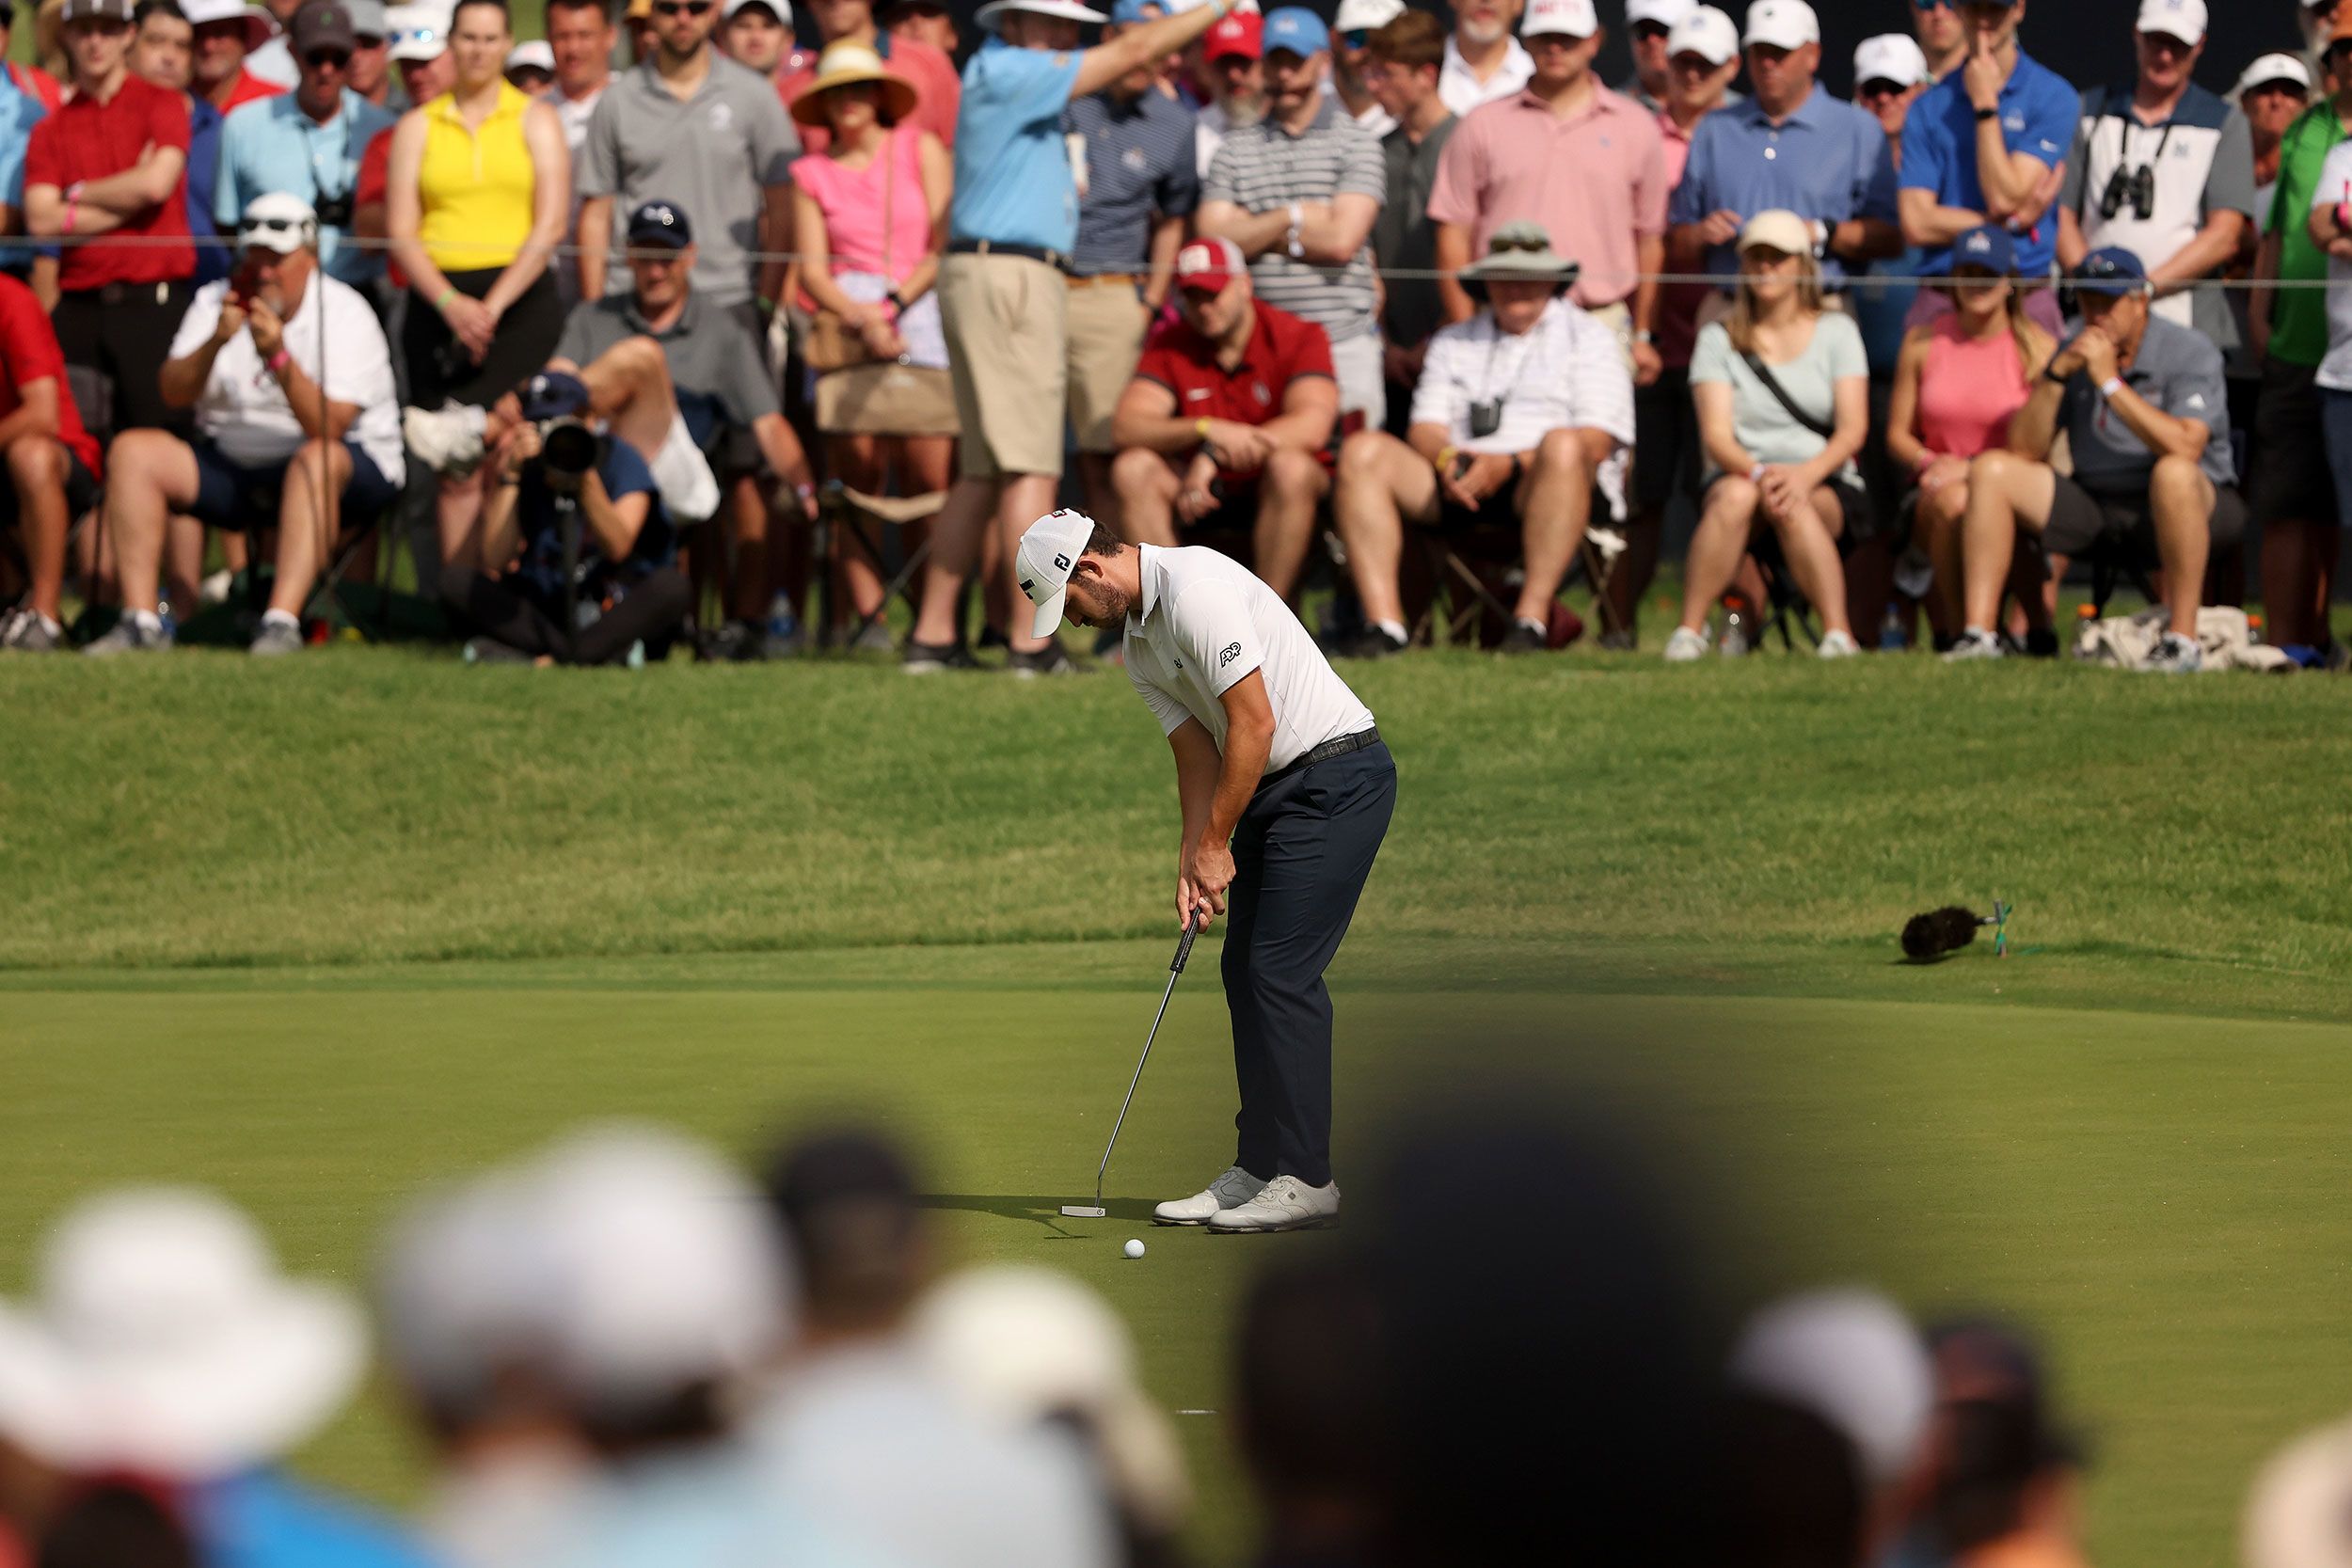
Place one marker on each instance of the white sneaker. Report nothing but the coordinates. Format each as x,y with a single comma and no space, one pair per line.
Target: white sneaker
1686,646
1976,642
1285,1204
447,440
1230,1191
1837,645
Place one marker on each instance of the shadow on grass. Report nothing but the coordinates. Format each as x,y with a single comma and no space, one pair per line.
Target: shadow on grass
1044,1210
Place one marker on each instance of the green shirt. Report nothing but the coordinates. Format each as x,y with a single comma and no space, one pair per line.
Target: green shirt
2298,322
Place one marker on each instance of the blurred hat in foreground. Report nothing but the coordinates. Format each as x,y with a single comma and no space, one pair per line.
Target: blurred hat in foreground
1851,1357
2299,1514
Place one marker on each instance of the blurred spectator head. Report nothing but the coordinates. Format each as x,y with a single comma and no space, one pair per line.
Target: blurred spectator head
1776,260
638,19
660,255
1937,25
1029,1345
1519,276
116,1523
371,61
1889,72
321,41
1135,13
277,241
419,50
1351,34
531,67
226,32
1316,1433
1649,24
682,28
922,22
1562,38
463,1313
1297,53
97,37
1232,54
1791,1489
2271,92
846,1202
2169,37
2317,19
1783,43
1212,288
842,19
2002,1467
852,90
1484,23
162,45
480,35
581,34
2111,290
1038,23
161,1339
1702,59
1406,57
2299,1512
757,35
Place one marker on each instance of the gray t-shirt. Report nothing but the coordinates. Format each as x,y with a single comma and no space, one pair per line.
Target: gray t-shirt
711,155
1765,429
714,357
2177,369
1263,168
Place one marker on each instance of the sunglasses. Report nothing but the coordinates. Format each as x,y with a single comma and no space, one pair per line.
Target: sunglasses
1516,244
320,58
1881,87
681,7
1357,37
1649,32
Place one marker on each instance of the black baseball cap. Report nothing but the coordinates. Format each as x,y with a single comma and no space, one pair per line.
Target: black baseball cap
660,223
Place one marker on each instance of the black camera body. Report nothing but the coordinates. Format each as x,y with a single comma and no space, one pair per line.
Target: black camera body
334,211
1485,417
569,447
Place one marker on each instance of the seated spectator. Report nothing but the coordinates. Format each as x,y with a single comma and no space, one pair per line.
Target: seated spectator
1957,383
1232,71
1782,391
629,588
2146,413
929,71
52,463
1520,412
226,31
290,382
1227,420
531,67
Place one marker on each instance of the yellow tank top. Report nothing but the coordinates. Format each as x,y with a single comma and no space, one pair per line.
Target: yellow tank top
475,187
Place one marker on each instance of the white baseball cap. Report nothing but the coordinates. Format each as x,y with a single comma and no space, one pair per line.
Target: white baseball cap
277,221
420,31
534,53
1366,14
2175,18
1575,18
2273,67
1890,57
1048,551
1665,13
1851,1357
1781,25
1707,32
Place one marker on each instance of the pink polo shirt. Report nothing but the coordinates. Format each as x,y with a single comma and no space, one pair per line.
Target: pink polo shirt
1596,181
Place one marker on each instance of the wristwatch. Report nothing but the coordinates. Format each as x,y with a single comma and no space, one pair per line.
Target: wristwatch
1292,242
1646,336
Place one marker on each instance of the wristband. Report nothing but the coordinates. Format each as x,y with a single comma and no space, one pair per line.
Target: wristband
1646,336
1201,428
2050,373
72,210
767,306
440,301
1755,475
2342,215
2111,387
279,361
1983,115
1821,239
1446,454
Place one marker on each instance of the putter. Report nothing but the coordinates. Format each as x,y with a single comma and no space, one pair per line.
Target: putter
1175,970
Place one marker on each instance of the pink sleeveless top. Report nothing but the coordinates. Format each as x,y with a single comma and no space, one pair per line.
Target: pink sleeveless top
851,200
1968,390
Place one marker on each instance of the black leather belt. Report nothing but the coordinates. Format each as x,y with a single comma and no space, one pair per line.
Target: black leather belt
1057,260
1323,753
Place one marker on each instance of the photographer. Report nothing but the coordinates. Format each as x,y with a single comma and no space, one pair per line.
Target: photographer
555,475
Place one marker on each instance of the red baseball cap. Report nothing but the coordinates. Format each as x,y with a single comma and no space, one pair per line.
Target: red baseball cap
1210,264
1242,33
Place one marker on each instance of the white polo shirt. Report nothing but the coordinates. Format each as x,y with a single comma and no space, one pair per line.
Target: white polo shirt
1461,90
243,410
1565,372
1204,622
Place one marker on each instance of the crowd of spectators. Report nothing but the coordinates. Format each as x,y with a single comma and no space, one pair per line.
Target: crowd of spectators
1375,300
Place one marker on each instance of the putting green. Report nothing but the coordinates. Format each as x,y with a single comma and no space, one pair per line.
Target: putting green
2155,1193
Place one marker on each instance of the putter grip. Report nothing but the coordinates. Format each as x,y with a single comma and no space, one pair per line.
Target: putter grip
1183,947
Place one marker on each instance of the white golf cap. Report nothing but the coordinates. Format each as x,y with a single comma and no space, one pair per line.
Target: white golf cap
1665,13
459,1294
2295,1515
1890,57
1366,14
1851,1357
2273,67
781,10
1048,551
420,32
2175,18
260,26
1577,19
278,221
1067,10
1781,25
535,54
1707,32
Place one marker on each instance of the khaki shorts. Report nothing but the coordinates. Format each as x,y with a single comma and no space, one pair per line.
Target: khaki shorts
1107,327
1004,316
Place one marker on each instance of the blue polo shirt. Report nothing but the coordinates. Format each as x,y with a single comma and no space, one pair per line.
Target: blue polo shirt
19,112
1141,165
1828,162
1013,184
204,126
2038,111
541,522
271,145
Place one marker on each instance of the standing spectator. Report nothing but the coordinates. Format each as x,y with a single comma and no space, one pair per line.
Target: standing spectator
531,67
1702,62
2145,411
923,22
113,162
1298,192
370,74
2292,490
1651,23
2271,94
227,32
1790,148
1012,226
691,127
1139,188
756,37
290,382
1229,410
477,193
2165,170
637,20
19,112
1407,56
163,53
1351,53
30,80
1233,71
307,143
1942,37
1520,415
52,463
1584,163
1782,391
271,60
2330,227
1482,61
420,55
581,36
927,70
1988,144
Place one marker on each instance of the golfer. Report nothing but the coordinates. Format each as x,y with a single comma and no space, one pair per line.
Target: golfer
1286,792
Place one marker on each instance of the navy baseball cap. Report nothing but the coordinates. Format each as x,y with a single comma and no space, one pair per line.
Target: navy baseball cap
2110,270
660,223
1296,30
552,395
1987,246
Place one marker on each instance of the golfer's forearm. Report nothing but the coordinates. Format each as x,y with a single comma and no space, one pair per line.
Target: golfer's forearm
1245,753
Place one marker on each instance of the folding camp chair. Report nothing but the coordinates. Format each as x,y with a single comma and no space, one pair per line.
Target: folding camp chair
848,519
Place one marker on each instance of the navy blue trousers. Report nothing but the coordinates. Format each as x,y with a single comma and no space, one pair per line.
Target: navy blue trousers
1301,853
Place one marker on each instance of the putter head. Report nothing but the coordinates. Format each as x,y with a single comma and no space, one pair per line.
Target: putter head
1086,1211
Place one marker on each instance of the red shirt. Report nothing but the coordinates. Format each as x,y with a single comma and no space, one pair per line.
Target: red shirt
249,88
85,140
374,180
938,90
29,353
1283,348
36,83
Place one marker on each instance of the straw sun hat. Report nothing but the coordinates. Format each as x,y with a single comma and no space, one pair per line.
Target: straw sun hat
845,64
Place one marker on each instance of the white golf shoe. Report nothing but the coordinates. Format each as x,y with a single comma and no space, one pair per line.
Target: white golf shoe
1286,1203
1229,1191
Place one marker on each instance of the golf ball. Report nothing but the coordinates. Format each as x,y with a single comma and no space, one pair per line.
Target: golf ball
1134,1249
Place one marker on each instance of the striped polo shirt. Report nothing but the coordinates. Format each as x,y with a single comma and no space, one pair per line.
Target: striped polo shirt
1133,160
1264,168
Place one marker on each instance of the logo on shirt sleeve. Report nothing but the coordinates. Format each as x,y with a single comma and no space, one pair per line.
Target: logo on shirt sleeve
1232,652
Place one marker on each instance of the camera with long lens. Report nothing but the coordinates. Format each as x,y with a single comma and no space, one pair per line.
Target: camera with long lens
2133,186
568,446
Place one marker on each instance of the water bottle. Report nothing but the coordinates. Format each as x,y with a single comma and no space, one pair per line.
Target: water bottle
784,624
1891,637
1735,638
